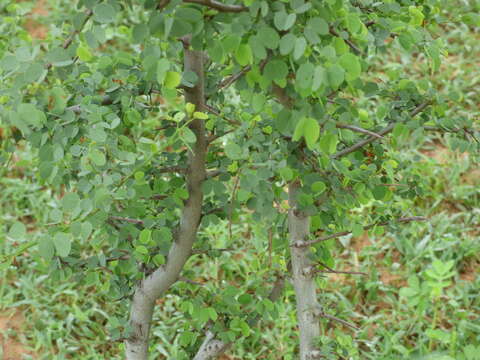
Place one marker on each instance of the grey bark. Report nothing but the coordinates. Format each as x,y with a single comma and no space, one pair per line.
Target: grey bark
303,281
154,285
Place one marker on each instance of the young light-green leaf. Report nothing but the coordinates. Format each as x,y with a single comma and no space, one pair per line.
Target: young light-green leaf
172,79
243,55
145,236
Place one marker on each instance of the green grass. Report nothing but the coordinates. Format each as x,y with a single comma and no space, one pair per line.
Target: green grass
66,320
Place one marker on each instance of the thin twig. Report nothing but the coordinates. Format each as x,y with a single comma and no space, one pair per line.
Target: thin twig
330,317
344,233
384,131
212,138
352,46
69,40
170,169
128,220
330,270
188,281
218,5
213,173
211,250
217,113
225,83
359,129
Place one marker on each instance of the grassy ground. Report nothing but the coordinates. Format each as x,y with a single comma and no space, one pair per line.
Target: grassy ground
420,295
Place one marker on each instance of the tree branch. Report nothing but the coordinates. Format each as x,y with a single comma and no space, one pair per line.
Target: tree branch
129,220
218,5
155,284
217,113
322,314
384,131
304,243
359,129
225,83
330,270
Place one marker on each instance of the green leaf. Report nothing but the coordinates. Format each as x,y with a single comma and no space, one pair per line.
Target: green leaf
17,231
98,157
231,43
200,115
31,115
286,173
287,43
258,102
188,135
275,70
83,53
34,72
311,132
336,76
104,13
233,151
159,259
304,76
298,133
172,79
139,33
416,16
284,21
319,77
63,243
328,143
245,299
269,37
46,248
354,25
357,230
300,46
145,236
351,64
70,202
258,49
318,187
141,249
319,25
243,55
163,66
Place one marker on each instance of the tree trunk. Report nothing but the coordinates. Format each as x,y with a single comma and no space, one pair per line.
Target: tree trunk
303,281
154,285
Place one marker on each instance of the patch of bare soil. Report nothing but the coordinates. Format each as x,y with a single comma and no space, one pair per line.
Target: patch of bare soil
470,271
437,152
32,25
12,348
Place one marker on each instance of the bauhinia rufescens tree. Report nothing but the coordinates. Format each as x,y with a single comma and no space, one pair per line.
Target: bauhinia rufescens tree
156,119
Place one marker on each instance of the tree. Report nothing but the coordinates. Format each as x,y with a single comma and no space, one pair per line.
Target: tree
155,118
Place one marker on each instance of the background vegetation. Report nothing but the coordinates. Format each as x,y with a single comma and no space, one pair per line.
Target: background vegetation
421,293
